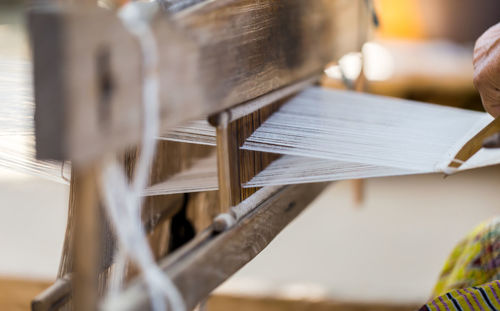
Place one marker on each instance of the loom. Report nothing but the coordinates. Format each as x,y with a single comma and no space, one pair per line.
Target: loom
236,61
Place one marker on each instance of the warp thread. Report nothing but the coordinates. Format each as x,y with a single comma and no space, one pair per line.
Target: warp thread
122,200
367,129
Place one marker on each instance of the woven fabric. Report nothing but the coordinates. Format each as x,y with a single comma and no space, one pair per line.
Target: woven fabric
469,280
474,261
481,298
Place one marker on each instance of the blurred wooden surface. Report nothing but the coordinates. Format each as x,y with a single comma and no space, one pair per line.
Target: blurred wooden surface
249,303
16,294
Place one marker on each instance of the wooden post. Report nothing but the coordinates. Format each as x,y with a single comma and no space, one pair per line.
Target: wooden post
86,242
227,164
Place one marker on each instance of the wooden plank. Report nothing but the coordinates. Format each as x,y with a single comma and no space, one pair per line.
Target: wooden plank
214,55
210,259
227,302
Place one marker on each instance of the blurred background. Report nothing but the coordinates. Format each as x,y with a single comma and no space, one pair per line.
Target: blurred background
372,245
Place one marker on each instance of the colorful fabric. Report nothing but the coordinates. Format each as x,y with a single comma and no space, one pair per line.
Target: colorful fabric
481,298
474,261
469,280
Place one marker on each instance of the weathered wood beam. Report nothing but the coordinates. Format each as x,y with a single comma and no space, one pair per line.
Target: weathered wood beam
210,259
213,55
53,297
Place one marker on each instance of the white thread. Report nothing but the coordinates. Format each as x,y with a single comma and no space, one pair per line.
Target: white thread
329,135
299,170
202,176
17,134
367,129
122,200
224,221
449,170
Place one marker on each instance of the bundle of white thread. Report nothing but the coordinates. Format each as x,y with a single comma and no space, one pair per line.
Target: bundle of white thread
123,200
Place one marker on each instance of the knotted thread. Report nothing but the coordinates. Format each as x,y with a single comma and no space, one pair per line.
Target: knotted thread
123,200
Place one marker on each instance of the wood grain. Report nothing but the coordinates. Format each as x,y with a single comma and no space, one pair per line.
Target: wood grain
207,261
214,55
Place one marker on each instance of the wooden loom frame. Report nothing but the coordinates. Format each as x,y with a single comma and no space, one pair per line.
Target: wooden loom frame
87,95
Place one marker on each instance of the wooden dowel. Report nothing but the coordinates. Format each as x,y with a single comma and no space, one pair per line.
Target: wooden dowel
207,261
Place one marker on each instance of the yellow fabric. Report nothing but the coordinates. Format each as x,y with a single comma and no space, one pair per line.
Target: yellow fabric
474,261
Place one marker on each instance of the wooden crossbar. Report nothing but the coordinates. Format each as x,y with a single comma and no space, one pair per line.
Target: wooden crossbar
210,259
213,55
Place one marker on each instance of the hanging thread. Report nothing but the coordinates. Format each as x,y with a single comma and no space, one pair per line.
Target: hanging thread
123,201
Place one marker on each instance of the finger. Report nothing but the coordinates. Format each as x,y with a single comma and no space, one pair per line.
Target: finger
493,109
490,96
492,141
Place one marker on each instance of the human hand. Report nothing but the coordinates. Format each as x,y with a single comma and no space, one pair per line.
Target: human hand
487,69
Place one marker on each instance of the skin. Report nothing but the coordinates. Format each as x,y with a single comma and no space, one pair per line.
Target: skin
487,69
487,76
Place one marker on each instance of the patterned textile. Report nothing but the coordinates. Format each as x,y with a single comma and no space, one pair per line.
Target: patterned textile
469,278
474,261
481,298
